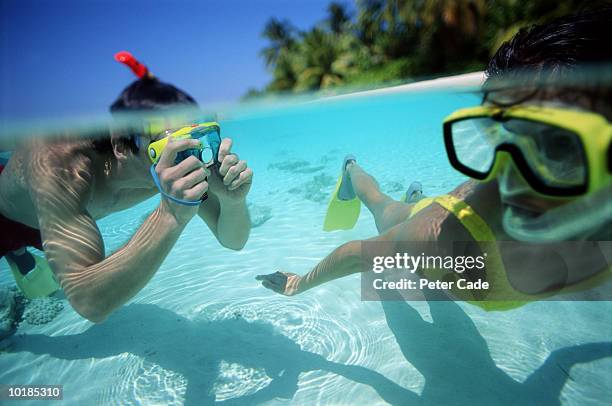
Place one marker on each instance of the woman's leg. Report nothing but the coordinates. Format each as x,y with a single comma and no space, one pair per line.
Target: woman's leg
386,211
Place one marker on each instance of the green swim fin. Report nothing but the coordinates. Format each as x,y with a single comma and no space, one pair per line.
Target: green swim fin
344,206
39,282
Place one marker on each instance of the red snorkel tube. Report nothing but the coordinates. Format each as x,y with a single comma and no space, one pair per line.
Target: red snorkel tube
138,68
143,72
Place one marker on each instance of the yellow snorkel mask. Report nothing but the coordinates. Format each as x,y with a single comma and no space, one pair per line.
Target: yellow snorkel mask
560,153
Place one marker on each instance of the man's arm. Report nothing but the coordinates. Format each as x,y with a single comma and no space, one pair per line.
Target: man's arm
228,220
225,211
95,285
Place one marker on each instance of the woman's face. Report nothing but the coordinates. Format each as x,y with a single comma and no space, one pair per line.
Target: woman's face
517,197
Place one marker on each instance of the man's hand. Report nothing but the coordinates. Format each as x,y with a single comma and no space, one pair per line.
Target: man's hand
185,181
232,179
284,283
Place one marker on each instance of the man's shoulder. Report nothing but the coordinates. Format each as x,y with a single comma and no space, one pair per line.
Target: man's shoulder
55,168
65,157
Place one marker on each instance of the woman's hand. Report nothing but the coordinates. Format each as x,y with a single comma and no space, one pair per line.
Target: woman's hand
232,179
284,283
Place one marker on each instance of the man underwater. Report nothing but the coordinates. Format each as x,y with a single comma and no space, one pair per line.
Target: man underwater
52,191
545,173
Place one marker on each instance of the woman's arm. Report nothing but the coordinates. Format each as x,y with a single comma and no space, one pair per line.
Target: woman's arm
345,260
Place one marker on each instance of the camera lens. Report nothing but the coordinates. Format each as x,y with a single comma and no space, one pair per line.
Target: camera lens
206,155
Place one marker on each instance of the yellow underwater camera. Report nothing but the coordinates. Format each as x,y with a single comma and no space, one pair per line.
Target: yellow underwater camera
208,133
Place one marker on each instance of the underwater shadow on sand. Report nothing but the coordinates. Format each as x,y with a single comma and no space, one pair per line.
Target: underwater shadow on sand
457,365
166,339
196,349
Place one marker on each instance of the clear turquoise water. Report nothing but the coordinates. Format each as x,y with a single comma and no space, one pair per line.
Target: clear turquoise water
204,331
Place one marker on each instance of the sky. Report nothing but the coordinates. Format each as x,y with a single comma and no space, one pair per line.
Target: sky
57,55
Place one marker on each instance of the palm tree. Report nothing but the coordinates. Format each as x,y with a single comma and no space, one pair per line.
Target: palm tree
396,39
382,28
325,59
369,21
452,32
281,37
284,72
338,17
317,53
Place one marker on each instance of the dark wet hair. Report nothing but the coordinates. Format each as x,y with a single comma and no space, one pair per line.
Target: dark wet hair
146,94
553,53
150,94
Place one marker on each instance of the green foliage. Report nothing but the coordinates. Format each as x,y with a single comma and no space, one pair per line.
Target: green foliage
387,41
387,73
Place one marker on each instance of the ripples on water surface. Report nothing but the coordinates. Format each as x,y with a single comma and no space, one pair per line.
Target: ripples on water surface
204,331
